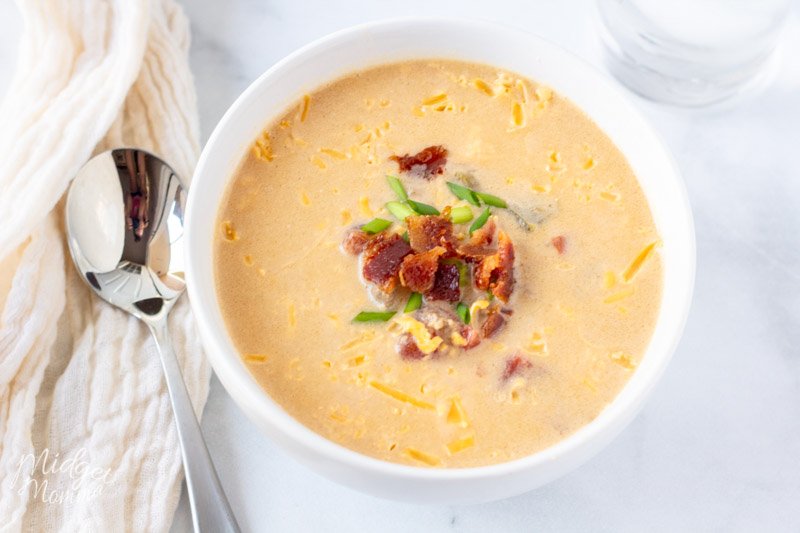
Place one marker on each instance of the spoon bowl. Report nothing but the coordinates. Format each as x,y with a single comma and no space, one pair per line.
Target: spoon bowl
124,219
125,226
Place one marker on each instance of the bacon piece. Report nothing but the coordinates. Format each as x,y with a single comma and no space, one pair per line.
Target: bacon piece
355,241
428,162
484,270
407,347
445,284
494,321
479,245
472,337
515,365
418,271
429,231
496,272
560,244
382,259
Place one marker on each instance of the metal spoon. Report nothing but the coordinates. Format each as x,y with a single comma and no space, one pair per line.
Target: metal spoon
124,221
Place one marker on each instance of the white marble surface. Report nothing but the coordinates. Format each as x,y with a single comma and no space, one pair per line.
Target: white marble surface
718,445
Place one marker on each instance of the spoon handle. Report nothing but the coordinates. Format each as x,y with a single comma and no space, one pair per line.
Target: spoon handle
210,509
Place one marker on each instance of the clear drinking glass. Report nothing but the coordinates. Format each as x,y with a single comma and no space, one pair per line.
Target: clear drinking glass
690,52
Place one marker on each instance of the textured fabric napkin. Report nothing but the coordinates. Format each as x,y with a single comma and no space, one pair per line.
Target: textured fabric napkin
87,441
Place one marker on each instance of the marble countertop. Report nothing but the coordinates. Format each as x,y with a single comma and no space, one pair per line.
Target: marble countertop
717,446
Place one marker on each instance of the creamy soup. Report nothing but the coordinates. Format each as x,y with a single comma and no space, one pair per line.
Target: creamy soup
437,263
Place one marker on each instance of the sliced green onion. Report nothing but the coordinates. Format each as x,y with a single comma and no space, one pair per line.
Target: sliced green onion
405,236
397,187
422,209
414,302
376,225
461,214
373,316
400,211
463,312
489,295
463,274
480,221
490,199
468,195
463,270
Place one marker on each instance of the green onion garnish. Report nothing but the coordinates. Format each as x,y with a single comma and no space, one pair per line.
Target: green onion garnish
490,199
463,274
461,214
468,195
463,270
400,211
422,209
405,236
489,295
376,225
463,312
480,221
373,316
397,187
414,302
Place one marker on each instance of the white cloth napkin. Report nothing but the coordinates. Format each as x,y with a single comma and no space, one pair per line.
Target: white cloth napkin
81,386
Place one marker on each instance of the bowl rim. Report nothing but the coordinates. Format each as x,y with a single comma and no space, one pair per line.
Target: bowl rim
227,363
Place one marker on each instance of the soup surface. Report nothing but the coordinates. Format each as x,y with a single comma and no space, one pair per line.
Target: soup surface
520,310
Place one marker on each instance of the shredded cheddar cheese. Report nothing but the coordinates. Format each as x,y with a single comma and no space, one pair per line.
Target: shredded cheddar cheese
621,295
400,396
361,339
461,444
229,231
363,205
423,457
457,339
483,86
426,343
318,162
517,115
637,263
336,154
304,107
456,414
623,359
262,148
441,97
477,306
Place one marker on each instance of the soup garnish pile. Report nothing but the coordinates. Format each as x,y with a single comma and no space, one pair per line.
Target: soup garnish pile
438,264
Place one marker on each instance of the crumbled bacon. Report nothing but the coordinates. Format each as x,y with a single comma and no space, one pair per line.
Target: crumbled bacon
382,259
407,347
446,284
494,321
479,245
472,337
496,272
425,164
418,271
515,365
355,241
429,231
560,244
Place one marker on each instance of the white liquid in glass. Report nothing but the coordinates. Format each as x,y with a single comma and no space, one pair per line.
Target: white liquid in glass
690,52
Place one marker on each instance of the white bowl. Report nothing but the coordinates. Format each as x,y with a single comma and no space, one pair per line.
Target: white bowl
381,42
